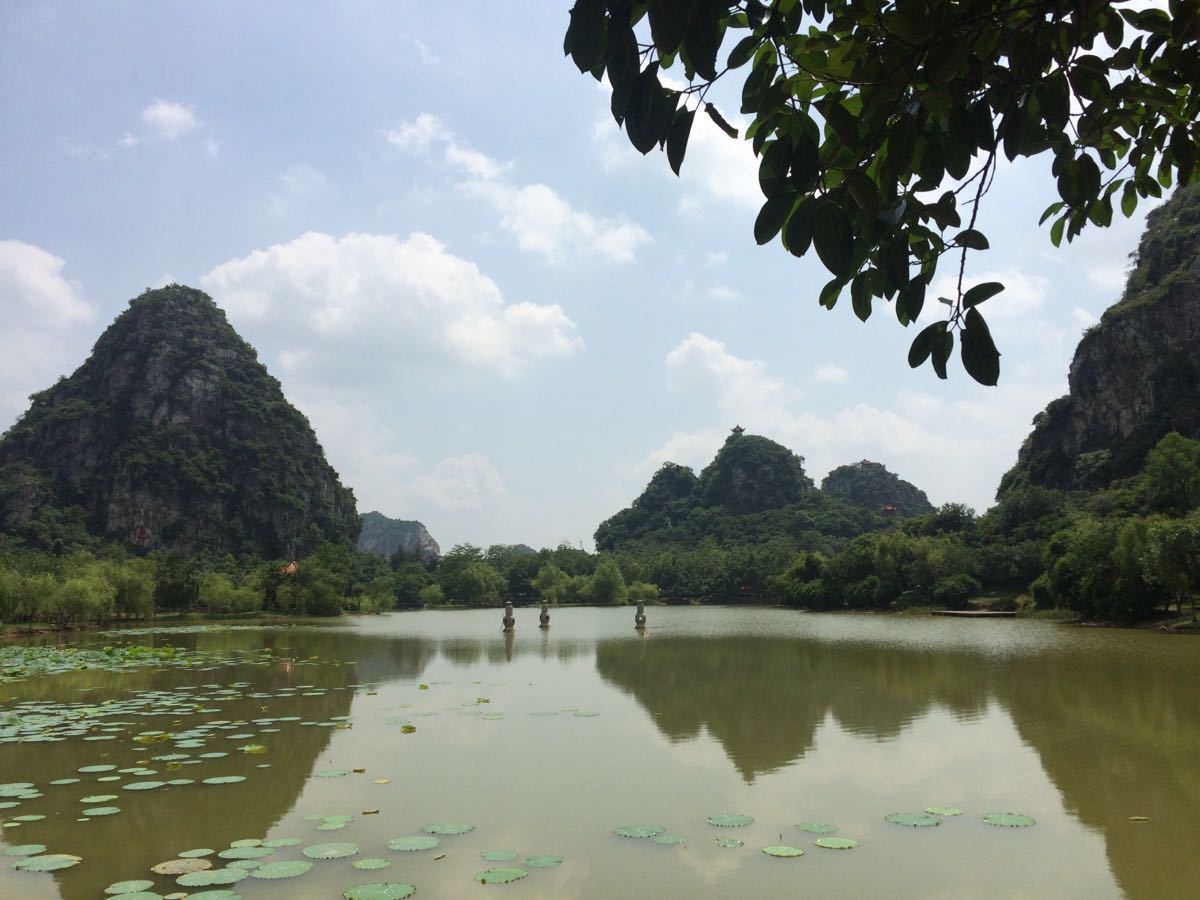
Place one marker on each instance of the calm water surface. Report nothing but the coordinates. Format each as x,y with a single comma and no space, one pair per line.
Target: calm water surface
782,716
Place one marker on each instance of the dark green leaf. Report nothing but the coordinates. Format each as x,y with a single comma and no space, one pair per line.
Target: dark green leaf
678,138
981,292
584,42
668,18
741,53
943,346
833,238
922,345
831,292
979,355
971,239
719,120
797,233
772,216
860,296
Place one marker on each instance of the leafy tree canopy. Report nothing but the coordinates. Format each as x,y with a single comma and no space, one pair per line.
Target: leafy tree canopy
879,123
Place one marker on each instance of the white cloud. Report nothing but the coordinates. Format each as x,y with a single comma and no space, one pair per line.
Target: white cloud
45,318
724,294
1023,295
540,219
830,374
934,452
464,482
1083,318
717,258
169,121
374,303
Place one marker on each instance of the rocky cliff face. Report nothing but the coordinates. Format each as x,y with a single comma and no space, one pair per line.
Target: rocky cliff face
385,536
173,435
752,474
1135,376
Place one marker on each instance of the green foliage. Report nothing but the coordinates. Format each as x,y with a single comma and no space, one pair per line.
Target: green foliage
872,486
464,577
551,583
871,120
644,591
223,597
607,585
1172,558
1173,475
431,595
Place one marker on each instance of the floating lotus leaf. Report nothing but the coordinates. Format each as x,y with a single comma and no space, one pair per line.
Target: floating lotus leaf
913,820
816,827
640,831
245,853
179,782
729,842
415,842
197,853
224,779
143,785
246,842
102,810
448,828
218,894
380,890
373,862
730,821
543,862
500,876
128,887
65,781
91,769
244,864
32,817
1009,820
783,851
48,862
98,798
943,810
332,773
25,850
836,843
212,876
330,851
669,839
289,869
182,866
281,842
499,855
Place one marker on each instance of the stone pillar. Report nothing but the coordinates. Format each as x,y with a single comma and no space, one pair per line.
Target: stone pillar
544,618
639,620
509,622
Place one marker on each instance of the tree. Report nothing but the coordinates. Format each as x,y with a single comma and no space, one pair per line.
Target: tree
608,585
874,120
551,583
1173,474
1173,558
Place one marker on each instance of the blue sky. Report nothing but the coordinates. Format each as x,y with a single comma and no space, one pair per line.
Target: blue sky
499,318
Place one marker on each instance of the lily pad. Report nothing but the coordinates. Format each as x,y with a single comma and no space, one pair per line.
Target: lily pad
211,877
98,798
87,770
143,785
128,887
499,855
669,839
281,842
47,862
373,862
448,828
182,866
543,862
330,851
836,843
289,869
730,821
913,820
1009,820
415,842
102,810
943,810
332,773
224,779
640,831
380,890
816,827
500,876
197,853
245,853
729,842
783,851
24,850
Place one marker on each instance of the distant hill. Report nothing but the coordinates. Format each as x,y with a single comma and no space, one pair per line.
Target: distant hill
172,435
755,490
1136,375
871,486
384,536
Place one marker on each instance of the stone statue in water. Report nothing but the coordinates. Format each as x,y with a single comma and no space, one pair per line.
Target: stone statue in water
509,621
639,620
544,618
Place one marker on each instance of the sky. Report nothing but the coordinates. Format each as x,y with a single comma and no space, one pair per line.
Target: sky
499,318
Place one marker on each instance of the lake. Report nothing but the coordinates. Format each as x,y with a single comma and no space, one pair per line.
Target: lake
340,738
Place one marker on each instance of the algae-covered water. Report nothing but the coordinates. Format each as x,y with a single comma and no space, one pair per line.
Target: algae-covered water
429,750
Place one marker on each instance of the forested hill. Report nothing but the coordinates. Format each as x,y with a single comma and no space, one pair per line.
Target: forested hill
171,435
1136,375
754,490
387,537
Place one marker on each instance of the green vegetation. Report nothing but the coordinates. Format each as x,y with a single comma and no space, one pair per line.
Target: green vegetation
872,121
